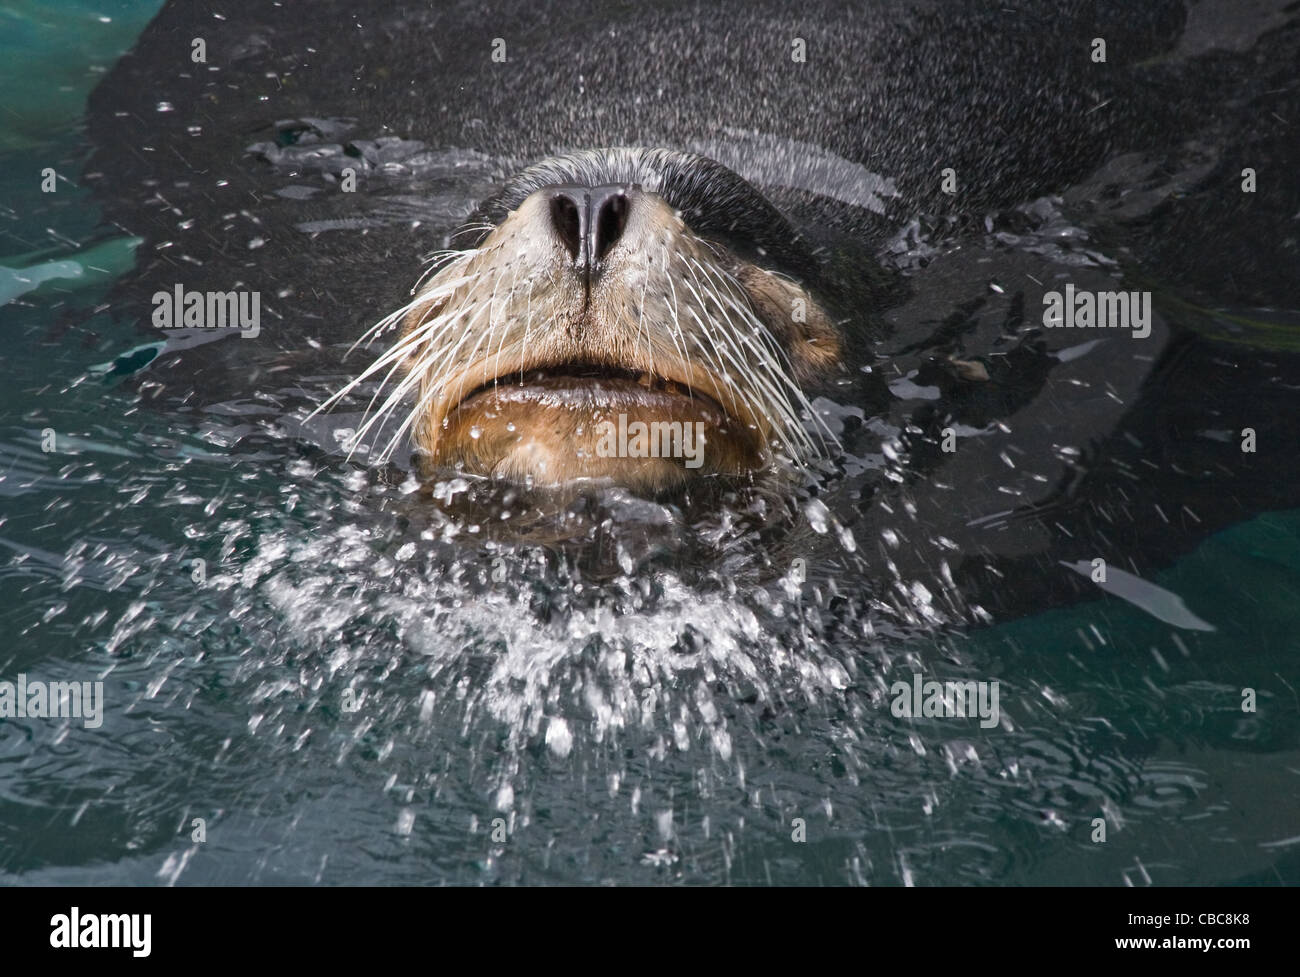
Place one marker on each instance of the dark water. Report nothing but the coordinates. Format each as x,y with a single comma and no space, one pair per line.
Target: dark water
530,718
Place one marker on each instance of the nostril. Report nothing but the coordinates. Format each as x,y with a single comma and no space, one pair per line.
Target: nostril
566,215
589,221
609,220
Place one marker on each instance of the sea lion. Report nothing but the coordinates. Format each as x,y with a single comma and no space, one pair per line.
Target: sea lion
942,144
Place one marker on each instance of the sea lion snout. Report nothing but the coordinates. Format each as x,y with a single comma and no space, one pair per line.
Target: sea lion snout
612,323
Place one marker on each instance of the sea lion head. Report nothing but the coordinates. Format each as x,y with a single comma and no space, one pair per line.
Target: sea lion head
633,316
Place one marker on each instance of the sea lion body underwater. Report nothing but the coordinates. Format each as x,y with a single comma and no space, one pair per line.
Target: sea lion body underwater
759,156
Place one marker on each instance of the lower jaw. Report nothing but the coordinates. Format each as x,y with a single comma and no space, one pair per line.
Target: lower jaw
553,445
539,467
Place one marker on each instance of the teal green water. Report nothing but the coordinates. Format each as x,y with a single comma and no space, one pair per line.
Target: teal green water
54,53
51,57
1114,713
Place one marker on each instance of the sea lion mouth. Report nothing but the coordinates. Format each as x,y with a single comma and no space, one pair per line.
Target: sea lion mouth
591,385
583,421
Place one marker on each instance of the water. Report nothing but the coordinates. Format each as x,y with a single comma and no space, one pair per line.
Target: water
349,684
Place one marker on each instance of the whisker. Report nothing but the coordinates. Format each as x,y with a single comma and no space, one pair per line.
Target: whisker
398,354
528,325
469,229
417,377
772,396
414,377
772,350
443,290
394,354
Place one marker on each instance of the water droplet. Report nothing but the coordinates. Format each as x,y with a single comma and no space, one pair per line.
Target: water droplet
559,737
818,515
405,821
